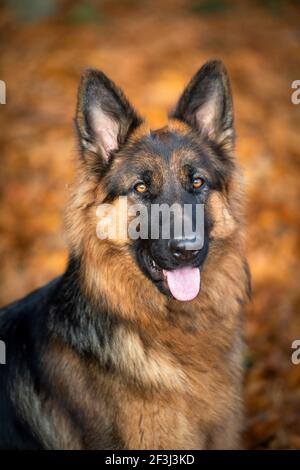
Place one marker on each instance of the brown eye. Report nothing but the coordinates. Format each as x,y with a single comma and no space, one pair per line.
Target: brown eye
197,183
140,187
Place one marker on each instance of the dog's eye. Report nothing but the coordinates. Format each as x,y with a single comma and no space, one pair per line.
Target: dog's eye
197,183
140,187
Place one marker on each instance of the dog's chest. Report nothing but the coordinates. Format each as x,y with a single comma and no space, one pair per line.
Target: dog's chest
158,422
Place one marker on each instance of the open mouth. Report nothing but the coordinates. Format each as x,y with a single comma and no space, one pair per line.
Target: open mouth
183,283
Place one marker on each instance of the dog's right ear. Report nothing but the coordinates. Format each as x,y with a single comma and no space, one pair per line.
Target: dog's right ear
104,119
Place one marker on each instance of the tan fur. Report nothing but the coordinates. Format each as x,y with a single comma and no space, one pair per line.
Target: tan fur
183,357
175,125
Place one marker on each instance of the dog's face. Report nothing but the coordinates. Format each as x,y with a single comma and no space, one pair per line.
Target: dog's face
179,166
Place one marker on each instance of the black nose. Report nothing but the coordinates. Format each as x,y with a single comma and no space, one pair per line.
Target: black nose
185,249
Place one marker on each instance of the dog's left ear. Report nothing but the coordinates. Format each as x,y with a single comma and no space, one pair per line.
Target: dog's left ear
206,105
104,119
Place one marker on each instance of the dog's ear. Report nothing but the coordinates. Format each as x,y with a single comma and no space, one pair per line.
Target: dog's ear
104,119
206,104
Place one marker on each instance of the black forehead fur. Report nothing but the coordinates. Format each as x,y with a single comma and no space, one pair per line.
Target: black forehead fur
142,157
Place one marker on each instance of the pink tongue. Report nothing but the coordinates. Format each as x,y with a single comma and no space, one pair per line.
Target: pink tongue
184,283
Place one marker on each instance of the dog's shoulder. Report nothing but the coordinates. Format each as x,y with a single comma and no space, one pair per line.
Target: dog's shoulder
22,326
35,304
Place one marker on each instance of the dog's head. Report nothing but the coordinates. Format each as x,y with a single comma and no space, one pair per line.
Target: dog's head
188,164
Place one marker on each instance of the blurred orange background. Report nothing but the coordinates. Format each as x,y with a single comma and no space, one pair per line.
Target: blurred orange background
151,49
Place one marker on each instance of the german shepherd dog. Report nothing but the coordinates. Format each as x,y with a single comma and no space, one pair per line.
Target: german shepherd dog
138,345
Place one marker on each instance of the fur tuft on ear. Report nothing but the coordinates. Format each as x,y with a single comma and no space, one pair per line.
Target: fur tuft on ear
104,119
206,104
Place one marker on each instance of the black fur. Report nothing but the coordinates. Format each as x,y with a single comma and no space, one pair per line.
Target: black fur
58,310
